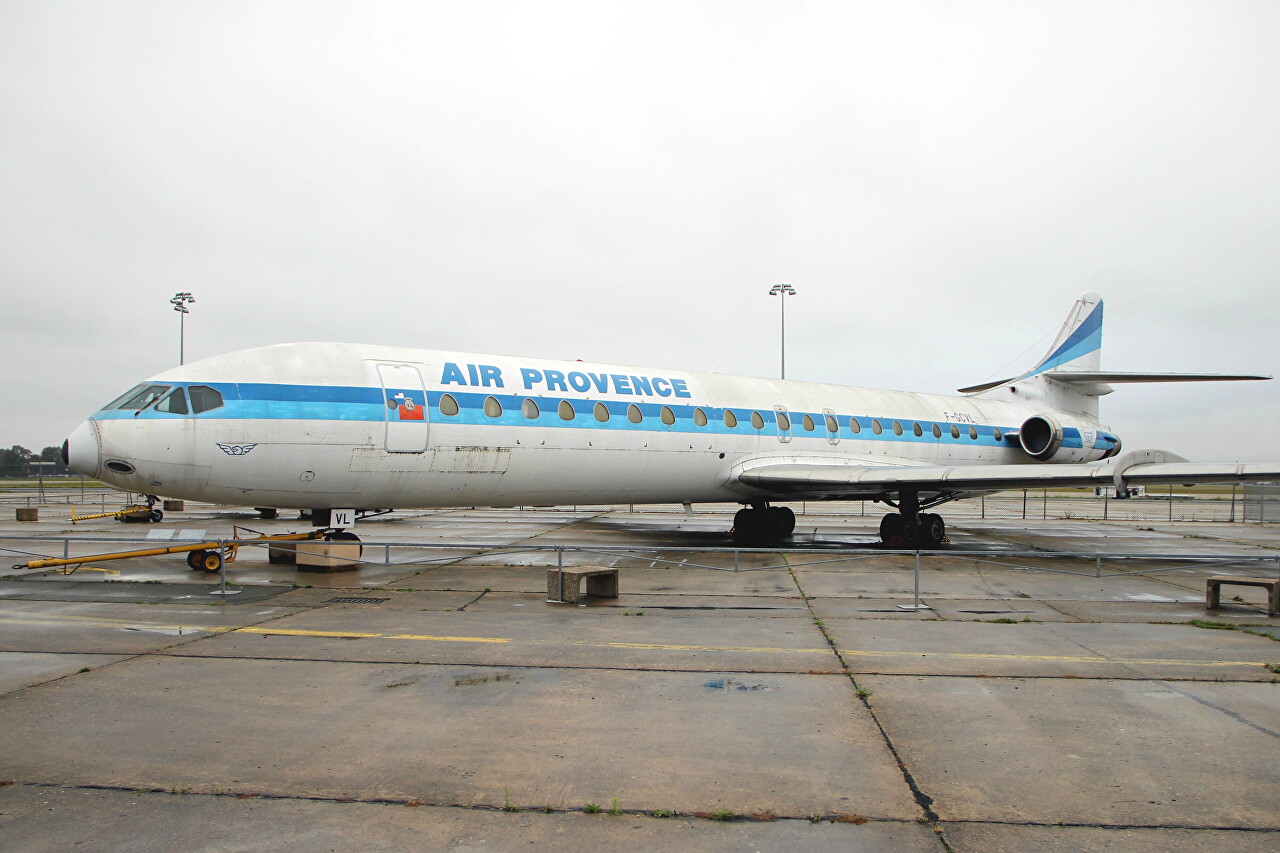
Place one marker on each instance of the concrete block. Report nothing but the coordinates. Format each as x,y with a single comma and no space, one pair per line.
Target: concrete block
28,513
173,506
566,586
327,556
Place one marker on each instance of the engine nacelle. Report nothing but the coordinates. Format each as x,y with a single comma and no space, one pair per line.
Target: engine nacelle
1045,438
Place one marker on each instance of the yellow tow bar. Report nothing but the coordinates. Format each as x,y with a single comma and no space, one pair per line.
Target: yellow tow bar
206,555
133,512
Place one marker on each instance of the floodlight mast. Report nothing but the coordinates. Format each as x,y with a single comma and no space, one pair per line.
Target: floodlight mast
783,290
180,301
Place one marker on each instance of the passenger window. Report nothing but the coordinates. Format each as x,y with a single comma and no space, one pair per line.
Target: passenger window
602,412
730,419
875,427
915,427
854,426
174,404
784,422
204,399
448,405
832,424
566,410
998,434
937,431
492,407
634,414
897,428
807,423
699,417
757,420
668,416
973,433
955,431
529,408
144,398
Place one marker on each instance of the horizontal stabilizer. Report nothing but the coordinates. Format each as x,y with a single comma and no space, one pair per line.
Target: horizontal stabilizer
1115,376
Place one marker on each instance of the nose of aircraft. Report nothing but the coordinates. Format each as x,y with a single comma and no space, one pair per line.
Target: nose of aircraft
80,450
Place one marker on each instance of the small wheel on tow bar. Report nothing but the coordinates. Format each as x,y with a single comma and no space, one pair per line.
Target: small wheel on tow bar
195,559
211,562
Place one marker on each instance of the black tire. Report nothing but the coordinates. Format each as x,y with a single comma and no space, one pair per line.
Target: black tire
155,515
345,536
195,559
782,522
266,512
212,561
744,526
933,530
890,527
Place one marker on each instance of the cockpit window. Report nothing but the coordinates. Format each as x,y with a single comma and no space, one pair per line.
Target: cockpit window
125,396
204,398
145,397
174,404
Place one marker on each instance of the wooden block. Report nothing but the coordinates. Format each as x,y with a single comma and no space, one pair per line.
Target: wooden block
28,513
327,556
283,553
173,506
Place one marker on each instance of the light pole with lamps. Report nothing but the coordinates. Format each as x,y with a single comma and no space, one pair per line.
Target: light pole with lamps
180,301
783,290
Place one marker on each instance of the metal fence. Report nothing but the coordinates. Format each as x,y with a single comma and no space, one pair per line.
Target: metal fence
1262,502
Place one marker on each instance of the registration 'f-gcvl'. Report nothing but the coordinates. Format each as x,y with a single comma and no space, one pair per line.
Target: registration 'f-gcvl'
320,426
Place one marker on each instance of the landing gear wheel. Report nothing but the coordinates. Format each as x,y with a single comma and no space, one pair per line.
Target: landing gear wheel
155,515
195,559
782,522
266,512
211,562
933,530
345,536
891,528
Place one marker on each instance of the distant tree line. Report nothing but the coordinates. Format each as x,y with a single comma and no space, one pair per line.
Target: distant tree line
16,461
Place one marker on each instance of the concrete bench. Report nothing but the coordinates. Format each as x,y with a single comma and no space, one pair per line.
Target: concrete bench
1213,591
565,586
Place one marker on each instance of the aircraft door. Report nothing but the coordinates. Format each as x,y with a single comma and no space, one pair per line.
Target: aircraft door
406,408
783,420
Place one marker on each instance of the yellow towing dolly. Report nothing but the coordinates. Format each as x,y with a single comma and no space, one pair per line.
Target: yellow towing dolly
207,555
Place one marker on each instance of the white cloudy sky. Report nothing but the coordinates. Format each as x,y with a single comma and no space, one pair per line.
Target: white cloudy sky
624,181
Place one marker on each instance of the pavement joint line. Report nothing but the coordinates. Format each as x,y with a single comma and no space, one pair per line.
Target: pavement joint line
924,801
748,817
262,628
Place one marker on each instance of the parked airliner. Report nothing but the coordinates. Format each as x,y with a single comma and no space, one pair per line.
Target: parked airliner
323,426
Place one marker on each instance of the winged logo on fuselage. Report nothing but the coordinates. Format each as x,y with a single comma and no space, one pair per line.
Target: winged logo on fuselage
236,449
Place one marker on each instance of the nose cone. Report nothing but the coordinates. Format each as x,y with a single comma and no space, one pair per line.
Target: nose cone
80,450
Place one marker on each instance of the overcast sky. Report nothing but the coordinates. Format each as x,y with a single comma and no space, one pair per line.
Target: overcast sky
623,182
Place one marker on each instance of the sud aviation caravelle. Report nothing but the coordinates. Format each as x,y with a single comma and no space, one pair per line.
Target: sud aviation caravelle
323,426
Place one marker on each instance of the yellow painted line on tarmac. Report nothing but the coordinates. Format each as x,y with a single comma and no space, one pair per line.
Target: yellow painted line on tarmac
104,622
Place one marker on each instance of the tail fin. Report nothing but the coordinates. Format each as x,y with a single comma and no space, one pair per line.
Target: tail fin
1079,342
1078,345
1070,377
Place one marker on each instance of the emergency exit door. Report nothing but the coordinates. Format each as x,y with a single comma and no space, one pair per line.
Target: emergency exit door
405,397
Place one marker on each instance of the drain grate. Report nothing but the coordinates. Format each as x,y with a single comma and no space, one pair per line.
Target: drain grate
356,600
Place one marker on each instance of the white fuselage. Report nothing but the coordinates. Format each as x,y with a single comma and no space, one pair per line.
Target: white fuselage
344,425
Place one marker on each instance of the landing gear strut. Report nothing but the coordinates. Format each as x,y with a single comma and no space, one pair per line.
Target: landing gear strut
760,524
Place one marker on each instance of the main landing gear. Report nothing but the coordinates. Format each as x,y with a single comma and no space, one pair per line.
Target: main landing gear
911,528
761,524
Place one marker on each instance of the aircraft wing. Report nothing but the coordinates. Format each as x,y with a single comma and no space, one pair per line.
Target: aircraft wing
1142,467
